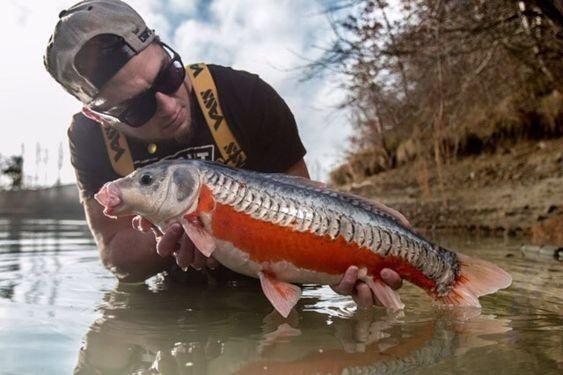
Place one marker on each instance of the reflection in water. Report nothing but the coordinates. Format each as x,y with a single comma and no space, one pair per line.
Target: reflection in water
60,310
229,330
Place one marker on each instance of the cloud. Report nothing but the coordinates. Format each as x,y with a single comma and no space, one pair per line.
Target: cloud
266,37
270,38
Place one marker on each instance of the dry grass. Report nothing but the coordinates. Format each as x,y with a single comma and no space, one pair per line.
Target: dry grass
512,121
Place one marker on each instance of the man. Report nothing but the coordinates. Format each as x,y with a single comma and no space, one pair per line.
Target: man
131,83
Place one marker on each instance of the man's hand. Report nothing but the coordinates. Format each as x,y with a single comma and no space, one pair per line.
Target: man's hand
360,291
175,242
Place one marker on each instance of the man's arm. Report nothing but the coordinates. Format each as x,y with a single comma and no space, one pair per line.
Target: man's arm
299,169
128,253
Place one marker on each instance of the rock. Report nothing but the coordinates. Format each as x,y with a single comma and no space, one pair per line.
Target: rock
548,231
542,251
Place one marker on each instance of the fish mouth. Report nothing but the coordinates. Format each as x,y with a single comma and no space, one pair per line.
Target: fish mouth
109,196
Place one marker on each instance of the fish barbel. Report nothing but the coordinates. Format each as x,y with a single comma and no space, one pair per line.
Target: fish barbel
285,229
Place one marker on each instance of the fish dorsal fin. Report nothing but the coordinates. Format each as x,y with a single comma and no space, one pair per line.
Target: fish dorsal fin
367,204
378,208
204,241
293,180
283,296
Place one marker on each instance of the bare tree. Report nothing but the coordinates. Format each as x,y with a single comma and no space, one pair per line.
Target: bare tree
426,67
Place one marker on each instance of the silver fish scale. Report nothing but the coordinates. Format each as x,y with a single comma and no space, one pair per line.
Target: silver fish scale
334,226
323,229
273,212
368,241
359,234
245,202
385,242
396,244
265,207
316,222
268,201
232,192
346,229
376,244
306,217
254,205
239,196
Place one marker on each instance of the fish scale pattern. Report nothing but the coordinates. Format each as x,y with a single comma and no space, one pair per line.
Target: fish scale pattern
280,200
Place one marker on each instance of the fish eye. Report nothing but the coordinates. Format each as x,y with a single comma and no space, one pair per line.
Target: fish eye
145,179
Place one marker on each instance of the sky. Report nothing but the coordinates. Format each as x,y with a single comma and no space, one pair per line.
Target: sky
272,38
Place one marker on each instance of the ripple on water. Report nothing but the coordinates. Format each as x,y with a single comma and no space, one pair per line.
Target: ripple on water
59,309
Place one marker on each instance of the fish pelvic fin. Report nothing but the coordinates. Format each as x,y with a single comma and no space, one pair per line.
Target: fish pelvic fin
383,292
282,295
477,278
204,241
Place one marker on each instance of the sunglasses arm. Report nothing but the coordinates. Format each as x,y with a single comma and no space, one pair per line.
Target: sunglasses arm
93,115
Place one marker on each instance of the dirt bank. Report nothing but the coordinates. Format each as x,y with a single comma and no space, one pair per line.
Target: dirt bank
515,190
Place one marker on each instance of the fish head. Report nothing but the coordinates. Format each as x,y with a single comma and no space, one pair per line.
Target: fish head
159,192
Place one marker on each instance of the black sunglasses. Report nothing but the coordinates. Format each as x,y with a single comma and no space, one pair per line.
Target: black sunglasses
139,109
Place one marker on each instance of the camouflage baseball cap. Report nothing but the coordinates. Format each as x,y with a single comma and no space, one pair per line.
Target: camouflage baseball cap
78,25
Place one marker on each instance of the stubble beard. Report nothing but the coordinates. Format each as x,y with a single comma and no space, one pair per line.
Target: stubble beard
185,133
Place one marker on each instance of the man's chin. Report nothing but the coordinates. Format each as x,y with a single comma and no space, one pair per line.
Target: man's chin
183,134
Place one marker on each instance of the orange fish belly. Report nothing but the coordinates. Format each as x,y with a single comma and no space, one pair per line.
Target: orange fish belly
272,246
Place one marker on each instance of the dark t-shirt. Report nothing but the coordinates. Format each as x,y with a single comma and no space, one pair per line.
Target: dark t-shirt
258,117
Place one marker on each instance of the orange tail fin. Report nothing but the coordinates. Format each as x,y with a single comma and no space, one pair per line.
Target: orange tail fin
477,278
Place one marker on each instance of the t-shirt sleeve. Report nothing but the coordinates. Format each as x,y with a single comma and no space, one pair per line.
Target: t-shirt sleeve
88,156
276,145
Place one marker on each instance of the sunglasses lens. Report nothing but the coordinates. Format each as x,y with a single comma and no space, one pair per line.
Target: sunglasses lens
171,78
140,110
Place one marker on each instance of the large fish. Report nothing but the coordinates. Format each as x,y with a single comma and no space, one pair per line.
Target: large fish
284,229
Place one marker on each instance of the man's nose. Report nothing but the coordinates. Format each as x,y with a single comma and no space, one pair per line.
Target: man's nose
166,104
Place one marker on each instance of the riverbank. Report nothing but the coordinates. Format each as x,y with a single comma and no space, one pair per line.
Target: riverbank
54,202
516,191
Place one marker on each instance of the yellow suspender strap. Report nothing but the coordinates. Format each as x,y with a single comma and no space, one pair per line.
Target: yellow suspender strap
206,93
118,151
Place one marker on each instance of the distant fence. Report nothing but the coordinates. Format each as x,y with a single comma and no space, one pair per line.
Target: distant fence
58,202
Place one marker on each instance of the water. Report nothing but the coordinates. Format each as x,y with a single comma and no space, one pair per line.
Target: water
61,311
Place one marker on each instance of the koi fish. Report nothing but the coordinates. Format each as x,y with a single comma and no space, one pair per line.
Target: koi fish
285,229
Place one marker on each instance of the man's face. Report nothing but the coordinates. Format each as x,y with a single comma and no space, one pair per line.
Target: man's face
172,116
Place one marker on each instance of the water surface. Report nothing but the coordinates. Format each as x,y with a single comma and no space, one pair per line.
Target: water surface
61,311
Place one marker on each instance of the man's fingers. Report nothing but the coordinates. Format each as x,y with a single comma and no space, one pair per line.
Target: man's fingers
211,263
198,261
362,296
391,278
185,254
346,285
169,241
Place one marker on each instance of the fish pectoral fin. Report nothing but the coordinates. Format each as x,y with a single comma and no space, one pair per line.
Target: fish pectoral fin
282,295
201,238
383,292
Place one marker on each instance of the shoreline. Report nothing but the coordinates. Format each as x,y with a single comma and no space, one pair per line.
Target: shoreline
515,192
57,202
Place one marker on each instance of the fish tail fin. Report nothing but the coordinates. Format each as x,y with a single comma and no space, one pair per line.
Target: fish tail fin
477,278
